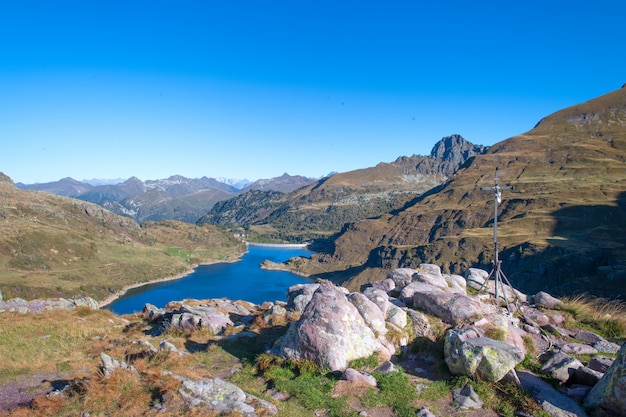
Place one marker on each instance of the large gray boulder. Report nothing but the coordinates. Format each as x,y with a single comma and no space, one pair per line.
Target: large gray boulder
561,366
610,392
330,332
205,317
453,308
467,353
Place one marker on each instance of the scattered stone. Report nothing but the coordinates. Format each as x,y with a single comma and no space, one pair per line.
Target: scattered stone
466,398
386,367
109,365
425,412
168,346
351,374
576,392
19,305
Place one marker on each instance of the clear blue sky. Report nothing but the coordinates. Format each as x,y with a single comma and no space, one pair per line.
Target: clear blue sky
253,89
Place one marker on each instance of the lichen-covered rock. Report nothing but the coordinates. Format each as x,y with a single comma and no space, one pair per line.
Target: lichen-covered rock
466,353
610,392
330,332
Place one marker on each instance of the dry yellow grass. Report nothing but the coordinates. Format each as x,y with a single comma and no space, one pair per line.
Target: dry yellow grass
606,316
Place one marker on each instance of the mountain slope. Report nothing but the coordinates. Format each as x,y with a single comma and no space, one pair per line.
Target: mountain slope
560,228
320,209
58,246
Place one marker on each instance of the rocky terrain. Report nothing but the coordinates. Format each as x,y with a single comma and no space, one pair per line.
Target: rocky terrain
419,342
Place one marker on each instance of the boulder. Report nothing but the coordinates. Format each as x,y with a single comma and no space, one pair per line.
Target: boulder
385,285
456,283
545,300
371,314
553,402
475,277
378,297
466,398
587,376
466,353
330,332
354,375
610,392
600,363
577,348
298,296
397,316
455,309
223,398
561,367
401,276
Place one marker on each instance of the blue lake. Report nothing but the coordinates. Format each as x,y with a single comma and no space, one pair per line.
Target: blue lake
242,280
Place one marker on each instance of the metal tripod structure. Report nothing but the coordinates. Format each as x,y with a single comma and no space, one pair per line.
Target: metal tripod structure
497,274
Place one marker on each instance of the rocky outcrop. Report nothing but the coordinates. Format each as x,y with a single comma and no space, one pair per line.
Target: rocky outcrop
46,304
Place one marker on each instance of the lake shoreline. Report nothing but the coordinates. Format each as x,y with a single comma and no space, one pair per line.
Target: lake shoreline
118,294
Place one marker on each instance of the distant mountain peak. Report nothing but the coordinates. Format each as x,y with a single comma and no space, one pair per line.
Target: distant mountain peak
455,149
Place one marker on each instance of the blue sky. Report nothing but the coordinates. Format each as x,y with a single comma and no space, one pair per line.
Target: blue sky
253,89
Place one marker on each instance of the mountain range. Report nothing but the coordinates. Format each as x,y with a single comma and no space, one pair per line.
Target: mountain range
561,225
173,198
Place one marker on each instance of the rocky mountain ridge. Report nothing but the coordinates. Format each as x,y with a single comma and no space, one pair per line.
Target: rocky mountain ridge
323,207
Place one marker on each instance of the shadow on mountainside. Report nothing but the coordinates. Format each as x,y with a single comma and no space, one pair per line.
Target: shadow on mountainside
587,254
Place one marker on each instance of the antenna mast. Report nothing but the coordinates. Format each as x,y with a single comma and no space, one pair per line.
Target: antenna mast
496,273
